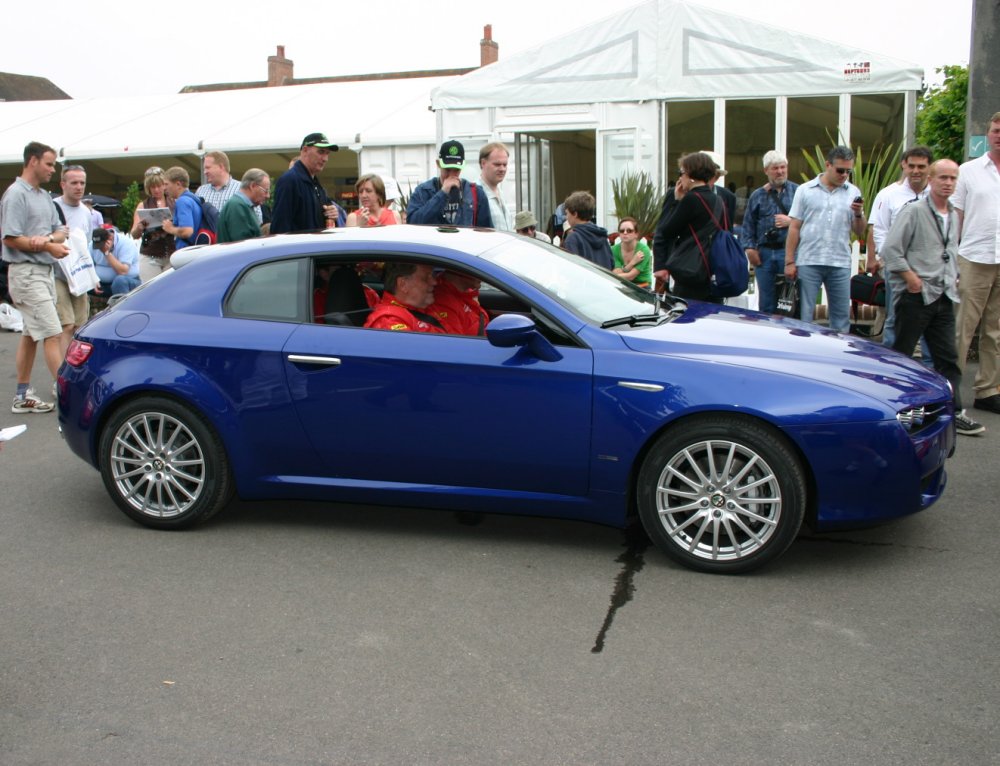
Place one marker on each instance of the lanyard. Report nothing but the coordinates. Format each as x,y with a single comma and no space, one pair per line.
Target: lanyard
945,235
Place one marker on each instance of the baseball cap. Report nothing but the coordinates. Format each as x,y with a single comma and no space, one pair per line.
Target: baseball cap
524,219
717,159
452,155
320,141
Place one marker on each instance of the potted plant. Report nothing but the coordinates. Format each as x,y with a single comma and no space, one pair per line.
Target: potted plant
636,195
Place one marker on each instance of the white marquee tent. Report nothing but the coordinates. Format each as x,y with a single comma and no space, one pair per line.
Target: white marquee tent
670,49
637,88
387,121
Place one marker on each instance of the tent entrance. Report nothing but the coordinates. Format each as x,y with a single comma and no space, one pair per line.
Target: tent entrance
551,164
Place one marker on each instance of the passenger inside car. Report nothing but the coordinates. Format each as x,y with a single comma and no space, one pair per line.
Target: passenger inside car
456,304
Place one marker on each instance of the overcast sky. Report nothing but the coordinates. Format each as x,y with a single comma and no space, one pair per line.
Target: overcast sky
101,48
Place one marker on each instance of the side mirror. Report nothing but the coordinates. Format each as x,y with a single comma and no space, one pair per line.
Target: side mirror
516,330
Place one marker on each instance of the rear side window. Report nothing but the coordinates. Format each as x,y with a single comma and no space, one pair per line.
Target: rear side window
275,290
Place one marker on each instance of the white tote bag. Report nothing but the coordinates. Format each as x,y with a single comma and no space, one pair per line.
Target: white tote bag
10,318
78,266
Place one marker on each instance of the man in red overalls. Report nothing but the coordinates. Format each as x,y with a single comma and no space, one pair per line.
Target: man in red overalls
409,290
456,304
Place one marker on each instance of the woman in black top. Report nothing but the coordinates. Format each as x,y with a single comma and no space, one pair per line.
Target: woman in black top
695,205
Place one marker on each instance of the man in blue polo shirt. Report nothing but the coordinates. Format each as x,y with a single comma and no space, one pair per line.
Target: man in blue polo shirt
116,261
187,208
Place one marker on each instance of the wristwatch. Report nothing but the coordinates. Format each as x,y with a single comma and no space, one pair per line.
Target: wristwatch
52,238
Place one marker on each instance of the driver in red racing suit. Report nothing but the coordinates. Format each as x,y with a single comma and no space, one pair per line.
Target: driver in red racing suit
409,290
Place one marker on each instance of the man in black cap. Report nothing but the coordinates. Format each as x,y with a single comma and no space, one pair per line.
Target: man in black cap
448,200
300,201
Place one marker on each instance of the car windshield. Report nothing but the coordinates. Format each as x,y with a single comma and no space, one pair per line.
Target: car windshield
586,289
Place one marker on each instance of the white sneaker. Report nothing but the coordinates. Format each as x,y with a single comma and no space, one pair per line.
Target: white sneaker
30,404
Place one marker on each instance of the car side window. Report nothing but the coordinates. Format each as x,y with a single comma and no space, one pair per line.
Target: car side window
271,291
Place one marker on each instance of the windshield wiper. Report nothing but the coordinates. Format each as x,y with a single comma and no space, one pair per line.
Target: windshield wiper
634,319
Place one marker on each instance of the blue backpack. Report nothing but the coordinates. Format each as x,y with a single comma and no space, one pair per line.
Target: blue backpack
728,267
208,232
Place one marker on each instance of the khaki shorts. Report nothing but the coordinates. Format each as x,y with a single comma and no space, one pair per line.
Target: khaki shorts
72,309
34,296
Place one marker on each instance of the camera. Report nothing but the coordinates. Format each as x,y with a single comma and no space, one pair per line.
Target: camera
772,236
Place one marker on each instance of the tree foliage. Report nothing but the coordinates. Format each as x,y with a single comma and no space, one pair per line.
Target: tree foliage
131,201
941,114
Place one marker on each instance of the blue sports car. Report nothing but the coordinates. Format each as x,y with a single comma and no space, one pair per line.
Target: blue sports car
247,369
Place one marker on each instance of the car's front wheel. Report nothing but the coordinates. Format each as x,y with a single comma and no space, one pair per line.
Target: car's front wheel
163,464
722,494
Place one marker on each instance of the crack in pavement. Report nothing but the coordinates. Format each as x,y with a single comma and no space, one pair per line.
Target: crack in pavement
632,560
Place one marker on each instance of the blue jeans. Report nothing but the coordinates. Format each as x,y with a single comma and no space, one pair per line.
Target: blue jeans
772,264
838,294
121,284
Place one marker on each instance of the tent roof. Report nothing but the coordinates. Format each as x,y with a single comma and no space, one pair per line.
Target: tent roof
376,112
673,50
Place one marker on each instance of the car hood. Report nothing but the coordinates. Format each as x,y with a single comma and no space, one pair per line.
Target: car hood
739,337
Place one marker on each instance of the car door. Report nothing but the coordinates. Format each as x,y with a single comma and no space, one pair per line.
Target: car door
439,411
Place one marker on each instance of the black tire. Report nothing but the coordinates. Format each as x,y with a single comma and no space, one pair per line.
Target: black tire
722,494
163,464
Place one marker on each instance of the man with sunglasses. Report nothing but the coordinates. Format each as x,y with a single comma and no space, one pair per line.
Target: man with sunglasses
300,201
920,254
818,246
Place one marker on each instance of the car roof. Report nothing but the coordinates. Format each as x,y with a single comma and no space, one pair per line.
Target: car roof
403,237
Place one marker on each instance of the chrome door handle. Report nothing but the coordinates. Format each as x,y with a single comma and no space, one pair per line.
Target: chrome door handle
306,359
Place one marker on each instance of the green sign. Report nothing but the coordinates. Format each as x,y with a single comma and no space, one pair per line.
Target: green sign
977,146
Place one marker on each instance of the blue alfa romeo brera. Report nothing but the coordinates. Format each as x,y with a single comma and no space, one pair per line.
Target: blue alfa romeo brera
246,369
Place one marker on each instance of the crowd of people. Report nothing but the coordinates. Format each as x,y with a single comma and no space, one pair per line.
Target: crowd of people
933,235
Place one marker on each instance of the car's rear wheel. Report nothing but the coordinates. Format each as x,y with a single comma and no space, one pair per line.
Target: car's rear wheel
722,494
163,464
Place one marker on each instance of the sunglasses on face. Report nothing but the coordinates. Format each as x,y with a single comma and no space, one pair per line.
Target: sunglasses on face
843,171
626,231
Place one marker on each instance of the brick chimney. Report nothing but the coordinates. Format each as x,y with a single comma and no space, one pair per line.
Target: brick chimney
489,51
279,69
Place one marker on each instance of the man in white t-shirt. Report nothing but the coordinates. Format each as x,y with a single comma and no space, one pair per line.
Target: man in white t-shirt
73,310
913,186
977,199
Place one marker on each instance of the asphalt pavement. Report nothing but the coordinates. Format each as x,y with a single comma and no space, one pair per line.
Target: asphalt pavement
306,633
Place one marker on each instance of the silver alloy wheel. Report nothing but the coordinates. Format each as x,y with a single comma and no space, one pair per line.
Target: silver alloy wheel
157,465
718,500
